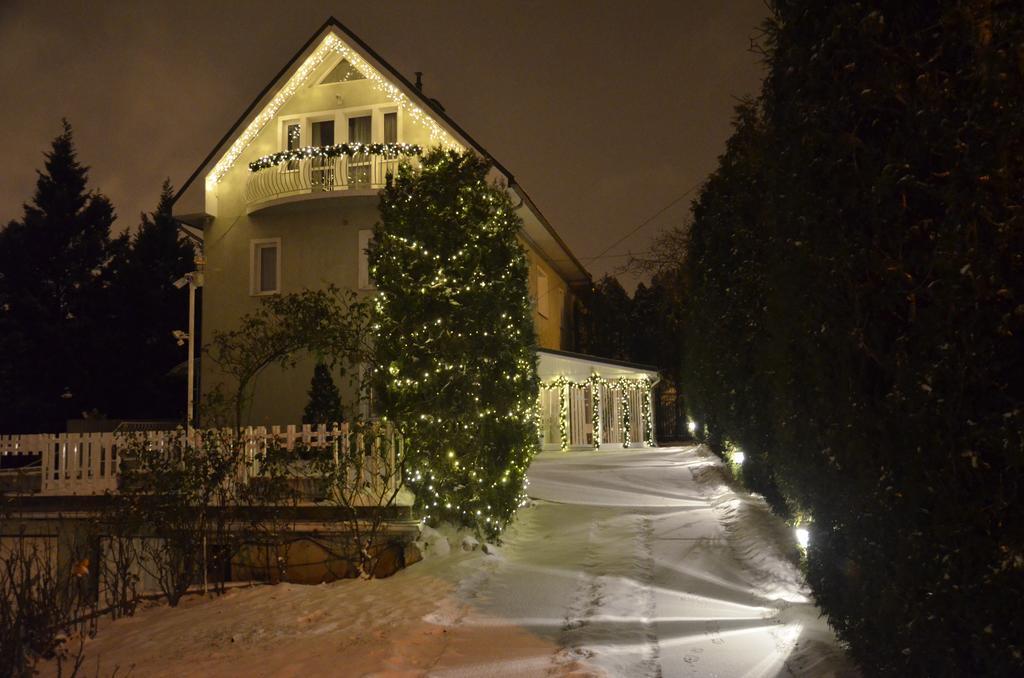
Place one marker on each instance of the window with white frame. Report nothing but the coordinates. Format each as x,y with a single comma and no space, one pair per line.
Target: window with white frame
365,281
542,293
265,266
391,127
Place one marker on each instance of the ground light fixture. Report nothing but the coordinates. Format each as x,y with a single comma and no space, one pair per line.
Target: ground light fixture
691,425
739,458
803,537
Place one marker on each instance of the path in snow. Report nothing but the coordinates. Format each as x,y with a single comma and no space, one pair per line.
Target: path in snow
631,566
628,563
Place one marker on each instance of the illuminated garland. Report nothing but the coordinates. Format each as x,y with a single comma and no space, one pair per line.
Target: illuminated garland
331,45
645,414
624,398
563,411
336,151
563,416
595,382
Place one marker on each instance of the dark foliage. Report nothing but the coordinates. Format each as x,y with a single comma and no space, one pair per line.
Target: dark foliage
86,321
603,321
324,406
855,321
52,285
655,322
148,308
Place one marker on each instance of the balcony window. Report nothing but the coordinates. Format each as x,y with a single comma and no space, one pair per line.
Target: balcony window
322,169
359,164
292,141
265,266
323,133
391,128
359,129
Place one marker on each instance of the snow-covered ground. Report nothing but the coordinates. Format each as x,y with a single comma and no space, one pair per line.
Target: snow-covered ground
628,563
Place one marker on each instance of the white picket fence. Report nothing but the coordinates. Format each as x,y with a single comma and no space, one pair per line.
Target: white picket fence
88,463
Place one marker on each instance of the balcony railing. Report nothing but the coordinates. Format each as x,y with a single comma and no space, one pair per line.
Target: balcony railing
285,177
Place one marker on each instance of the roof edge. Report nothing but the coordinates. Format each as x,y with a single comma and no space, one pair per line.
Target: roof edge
527,200
249,109
333,22
598,359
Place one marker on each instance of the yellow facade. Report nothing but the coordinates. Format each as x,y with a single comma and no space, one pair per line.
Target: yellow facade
316,233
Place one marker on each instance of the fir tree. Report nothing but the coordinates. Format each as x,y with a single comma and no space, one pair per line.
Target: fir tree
324,406
605,328
52,261
456,340
147,309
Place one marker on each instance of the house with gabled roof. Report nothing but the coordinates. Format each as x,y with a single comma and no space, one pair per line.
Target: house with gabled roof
287,200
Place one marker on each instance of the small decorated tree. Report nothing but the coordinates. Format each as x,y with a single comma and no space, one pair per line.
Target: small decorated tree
455,339
324,406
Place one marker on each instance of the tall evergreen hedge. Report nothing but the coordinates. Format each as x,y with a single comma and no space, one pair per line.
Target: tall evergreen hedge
455,339
857,314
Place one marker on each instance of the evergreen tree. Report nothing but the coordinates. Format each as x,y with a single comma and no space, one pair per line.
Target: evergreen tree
856,323
456,339
147,308
656,324
324,406
51,297
604,326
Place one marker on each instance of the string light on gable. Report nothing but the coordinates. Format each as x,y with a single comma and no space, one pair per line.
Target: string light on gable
330,46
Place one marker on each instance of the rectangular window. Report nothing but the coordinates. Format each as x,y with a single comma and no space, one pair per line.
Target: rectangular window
359,163
323,133
359,129
293,136
391,128
321,170
265,267
542,293
292,141
365,282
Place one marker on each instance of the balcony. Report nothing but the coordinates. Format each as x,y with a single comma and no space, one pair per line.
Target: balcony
324,171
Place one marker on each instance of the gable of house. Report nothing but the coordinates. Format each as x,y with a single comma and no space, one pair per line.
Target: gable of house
275,226
305,86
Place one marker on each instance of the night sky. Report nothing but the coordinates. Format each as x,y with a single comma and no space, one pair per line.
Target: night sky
604,111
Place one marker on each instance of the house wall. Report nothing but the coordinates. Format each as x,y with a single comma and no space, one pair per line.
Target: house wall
319,245
553,329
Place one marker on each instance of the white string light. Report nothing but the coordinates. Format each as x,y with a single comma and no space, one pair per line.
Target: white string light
330,46
595,382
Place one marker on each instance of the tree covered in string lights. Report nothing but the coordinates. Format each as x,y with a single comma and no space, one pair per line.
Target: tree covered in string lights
455,339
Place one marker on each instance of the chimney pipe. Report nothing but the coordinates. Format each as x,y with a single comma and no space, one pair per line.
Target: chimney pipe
419,80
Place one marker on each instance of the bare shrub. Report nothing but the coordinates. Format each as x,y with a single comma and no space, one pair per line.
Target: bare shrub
265,517
44,603
362,474
178,491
